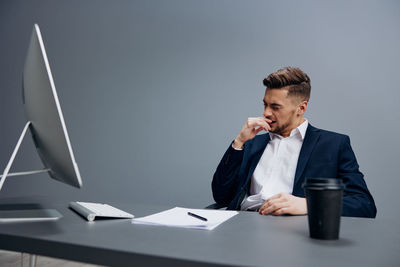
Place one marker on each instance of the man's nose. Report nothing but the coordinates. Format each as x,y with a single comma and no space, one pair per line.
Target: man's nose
267,112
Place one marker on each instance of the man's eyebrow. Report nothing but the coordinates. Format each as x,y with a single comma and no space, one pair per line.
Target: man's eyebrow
272,104
276,105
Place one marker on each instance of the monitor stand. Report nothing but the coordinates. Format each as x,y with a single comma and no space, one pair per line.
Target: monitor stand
24,215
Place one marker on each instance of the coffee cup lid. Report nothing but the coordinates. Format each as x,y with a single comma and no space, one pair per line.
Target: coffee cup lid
324,183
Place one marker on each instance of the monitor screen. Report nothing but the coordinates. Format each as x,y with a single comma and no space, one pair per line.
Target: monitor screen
43,110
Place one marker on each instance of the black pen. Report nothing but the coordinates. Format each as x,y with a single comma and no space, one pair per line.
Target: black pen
197,216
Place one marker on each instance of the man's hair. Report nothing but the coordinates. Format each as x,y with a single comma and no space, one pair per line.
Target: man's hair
294,79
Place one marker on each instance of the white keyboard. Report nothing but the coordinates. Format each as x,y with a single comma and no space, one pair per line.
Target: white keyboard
92,210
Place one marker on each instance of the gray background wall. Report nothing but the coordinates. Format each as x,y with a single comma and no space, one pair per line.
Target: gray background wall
153,91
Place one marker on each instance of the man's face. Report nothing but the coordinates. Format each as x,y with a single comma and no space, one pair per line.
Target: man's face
285,112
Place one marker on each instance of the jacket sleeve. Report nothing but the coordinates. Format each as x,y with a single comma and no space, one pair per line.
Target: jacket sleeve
357,200
225,181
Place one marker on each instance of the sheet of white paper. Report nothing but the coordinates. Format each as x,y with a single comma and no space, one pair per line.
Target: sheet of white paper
178,217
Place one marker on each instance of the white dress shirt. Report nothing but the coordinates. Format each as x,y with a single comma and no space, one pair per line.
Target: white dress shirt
276,169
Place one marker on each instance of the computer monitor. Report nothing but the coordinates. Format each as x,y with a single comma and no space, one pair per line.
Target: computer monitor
45,119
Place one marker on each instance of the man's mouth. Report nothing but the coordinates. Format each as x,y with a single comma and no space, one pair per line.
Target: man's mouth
273,122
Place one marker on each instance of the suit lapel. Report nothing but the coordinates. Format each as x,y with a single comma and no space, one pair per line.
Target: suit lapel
256,152
311,138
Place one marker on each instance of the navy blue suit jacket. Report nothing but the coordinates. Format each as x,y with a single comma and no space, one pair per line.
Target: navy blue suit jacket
323,154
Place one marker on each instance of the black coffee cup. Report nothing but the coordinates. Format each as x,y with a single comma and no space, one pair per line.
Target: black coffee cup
324,203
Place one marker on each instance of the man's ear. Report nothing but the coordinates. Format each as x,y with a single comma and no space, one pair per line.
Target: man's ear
302,107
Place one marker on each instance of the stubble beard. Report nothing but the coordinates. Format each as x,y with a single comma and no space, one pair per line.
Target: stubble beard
280,129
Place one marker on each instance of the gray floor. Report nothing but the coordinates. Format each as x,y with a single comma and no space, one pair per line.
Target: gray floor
13,259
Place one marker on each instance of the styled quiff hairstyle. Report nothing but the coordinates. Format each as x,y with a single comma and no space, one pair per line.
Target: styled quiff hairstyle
293,79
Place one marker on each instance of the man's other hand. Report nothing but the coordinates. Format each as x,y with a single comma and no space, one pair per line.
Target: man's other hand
250,129
284,203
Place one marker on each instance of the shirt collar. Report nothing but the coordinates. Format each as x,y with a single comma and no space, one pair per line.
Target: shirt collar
302,128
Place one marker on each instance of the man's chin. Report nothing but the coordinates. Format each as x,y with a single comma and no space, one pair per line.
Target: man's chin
274,127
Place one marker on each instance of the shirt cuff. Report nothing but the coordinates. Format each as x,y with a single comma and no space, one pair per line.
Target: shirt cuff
238,149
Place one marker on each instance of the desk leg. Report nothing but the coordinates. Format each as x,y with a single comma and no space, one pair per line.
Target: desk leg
31,258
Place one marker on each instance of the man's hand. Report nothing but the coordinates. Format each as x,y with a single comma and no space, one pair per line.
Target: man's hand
250,129
284,203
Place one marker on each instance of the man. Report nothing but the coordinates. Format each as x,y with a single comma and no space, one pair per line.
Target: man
265,172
